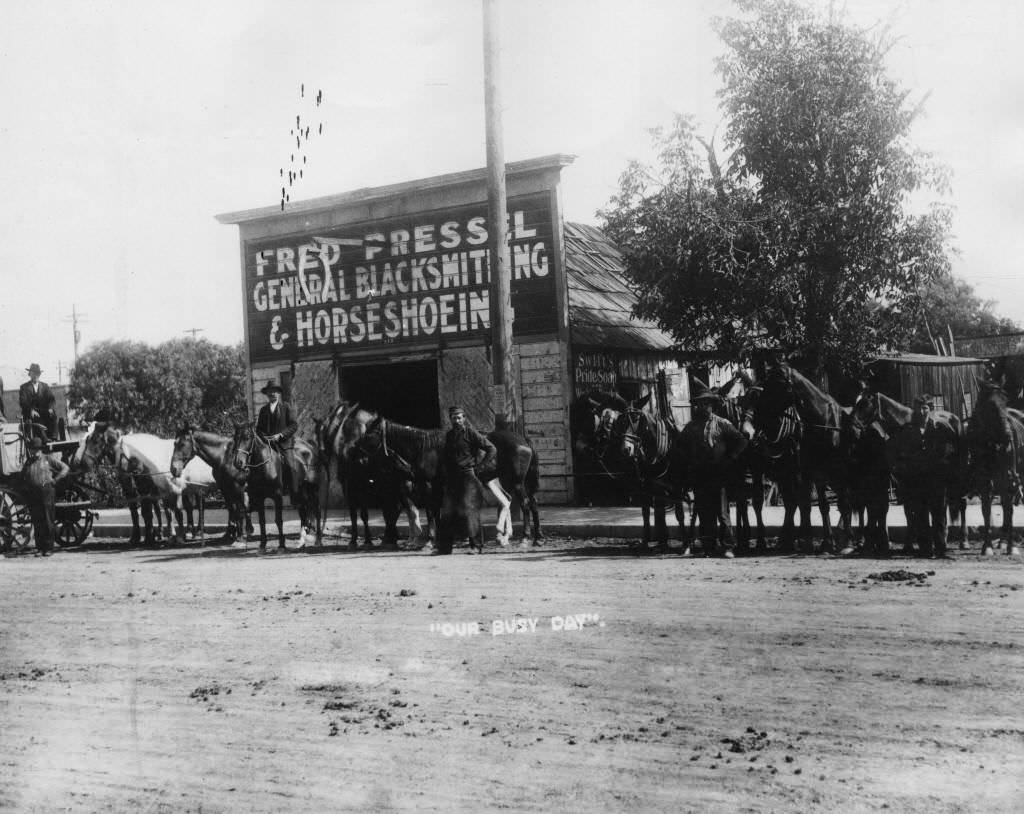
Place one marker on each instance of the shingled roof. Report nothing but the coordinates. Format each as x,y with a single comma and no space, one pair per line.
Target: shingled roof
600,302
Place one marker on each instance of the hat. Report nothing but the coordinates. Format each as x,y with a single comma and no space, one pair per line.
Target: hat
270,387
36,443
34,368
102,417
703,393
926,399
454,410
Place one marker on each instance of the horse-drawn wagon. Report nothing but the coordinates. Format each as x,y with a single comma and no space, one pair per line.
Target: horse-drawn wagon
74,516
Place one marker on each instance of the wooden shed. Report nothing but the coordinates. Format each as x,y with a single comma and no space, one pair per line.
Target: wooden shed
951,380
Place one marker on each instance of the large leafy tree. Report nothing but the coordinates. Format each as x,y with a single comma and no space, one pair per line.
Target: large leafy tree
156,389
804,231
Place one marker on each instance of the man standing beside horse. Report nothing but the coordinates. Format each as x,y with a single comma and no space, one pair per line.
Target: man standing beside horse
463,494
41,474
276,422
707,449
37,405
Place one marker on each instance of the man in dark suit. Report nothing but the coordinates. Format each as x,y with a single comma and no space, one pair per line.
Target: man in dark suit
276,422
37,405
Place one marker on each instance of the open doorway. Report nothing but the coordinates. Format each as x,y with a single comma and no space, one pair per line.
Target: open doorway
405,392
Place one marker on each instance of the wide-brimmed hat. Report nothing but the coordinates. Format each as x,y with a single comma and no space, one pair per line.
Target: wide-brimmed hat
270,387
34,368
703,393
926,399
35,443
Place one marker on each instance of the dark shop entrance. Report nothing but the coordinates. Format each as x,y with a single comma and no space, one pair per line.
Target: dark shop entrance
405,392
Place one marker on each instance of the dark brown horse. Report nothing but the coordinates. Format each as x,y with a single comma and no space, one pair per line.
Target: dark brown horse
264,468
995,448
217,451
368,481
940,472
639,457
820,460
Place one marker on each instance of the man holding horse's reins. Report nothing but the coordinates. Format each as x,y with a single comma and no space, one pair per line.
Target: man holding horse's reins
462,447
709,447
277,424
37,405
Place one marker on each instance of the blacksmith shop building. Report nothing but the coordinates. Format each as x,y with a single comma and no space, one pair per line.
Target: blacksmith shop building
381,296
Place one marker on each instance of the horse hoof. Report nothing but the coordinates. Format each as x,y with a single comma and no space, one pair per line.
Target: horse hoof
1011,550
987,550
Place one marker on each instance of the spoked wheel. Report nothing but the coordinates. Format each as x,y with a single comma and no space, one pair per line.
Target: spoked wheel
15,521
74,520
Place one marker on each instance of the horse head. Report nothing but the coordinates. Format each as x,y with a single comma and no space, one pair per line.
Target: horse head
101,443
184,450
990,422
865,407
353,428
630,437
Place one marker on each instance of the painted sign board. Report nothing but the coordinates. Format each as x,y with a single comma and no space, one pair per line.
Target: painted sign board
400,281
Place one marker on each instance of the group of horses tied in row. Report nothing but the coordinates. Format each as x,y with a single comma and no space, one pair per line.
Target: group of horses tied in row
379,463
808,444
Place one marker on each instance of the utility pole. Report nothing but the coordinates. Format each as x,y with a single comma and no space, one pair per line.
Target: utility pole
193,331
503,390
60,372
74,319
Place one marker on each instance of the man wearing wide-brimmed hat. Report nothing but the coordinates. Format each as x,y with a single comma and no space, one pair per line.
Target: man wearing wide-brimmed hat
40,474
706,449
37,405
277,423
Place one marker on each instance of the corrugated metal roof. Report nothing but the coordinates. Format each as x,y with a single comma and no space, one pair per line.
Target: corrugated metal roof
600,301
928,359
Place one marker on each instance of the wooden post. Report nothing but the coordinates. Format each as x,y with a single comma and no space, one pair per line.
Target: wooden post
503,390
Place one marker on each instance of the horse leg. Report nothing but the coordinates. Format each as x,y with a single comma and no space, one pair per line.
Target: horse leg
828,545
261,516
136,538
757,501
279,521
503,530
147,519
1006,504
986,521
645,511
660,526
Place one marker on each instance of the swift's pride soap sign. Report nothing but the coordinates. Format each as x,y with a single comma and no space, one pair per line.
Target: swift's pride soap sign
419,278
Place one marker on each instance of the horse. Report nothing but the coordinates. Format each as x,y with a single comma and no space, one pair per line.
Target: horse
942,467
217,452
866,448
367,480
746,486
820,460
995,450
591,420
639,450
143,464
264,468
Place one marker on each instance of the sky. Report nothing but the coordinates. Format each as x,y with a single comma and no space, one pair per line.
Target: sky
128,125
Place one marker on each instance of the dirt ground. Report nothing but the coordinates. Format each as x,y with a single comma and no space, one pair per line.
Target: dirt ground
213,679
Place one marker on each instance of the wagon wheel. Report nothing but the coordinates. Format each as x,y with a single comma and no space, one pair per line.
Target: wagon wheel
74,520
15,521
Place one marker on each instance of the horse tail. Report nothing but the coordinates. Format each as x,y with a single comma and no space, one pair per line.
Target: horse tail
532,479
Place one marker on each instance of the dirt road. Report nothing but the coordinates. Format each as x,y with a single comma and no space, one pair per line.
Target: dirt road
217,680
